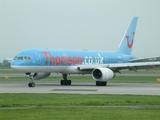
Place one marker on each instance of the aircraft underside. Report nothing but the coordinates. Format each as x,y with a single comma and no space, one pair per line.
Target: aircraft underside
64,81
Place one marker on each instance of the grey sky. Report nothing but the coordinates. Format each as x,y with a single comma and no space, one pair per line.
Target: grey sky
77,24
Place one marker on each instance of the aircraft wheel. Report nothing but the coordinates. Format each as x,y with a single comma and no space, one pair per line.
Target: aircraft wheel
104,83
69,82
31,84
98,83
62,82
65,82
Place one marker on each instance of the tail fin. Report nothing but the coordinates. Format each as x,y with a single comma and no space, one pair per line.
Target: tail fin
128,38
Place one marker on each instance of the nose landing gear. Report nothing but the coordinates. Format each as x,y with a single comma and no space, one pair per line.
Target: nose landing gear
31,77
31,84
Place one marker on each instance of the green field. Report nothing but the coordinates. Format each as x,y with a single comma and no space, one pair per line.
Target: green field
7,71
77,106
119,79
80,113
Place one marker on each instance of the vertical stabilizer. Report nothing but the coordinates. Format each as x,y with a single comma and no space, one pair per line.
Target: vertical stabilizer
128,38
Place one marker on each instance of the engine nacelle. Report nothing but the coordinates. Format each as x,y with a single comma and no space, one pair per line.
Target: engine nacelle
102,74
38,76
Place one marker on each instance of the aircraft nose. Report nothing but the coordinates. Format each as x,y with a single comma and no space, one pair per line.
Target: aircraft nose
16,62
15,65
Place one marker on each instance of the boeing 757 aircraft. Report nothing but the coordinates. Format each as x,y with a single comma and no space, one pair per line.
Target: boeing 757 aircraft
102,65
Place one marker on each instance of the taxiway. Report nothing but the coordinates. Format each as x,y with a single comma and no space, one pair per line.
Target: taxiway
80,88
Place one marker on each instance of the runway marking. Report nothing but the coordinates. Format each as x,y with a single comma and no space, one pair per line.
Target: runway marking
74,90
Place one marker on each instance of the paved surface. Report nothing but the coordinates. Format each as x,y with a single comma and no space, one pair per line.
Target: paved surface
80,88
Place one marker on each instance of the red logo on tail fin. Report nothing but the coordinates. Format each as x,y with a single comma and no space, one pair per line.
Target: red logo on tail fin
130,44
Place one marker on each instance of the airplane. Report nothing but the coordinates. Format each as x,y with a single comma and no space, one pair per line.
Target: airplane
102,65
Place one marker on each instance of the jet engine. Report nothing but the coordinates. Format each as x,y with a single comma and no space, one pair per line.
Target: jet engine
37,76
102,74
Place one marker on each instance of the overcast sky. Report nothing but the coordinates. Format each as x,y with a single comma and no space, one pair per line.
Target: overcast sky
78,24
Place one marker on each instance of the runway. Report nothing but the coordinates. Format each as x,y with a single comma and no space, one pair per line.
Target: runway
9,86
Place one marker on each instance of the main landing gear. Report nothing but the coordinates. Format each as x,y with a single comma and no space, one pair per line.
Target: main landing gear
101,83
65,81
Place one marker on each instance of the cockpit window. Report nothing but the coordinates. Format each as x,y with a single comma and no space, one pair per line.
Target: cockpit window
15,58
27,58
22,58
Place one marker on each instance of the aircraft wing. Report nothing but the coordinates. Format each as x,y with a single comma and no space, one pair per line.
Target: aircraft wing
121,66
147,59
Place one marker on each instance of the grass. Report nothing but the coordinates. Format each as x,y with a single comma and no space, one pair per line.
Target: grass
76,106
18,100
119,79
135,79
7,71
82,113
141,71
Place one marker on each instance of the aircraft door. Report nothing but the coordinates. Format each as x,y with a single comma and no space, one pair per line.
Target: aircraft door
38,58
